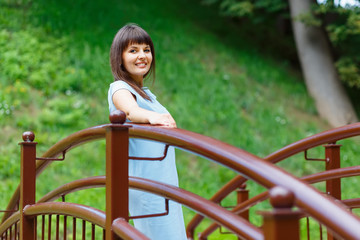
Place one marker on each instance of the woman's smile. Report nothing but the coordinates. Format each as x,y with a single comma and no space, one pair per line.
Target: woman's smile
141,64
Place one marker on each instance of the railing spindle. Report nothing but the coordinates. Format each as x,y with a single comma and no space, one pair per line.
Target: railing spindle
83,230
16,231
321,234
92,231
49,228
65,227
43,227
308,227
57,227
74,228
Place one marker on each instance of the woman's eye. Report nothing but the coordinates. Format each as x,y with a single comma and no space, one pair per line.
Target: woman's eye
147,50
132,51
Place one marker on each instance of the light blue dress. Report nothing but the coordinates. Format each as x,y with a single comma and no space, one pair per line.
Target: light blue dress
167,227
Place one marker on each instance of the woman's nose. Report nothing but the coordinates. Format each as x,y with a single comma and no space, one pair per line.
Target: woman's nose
141,55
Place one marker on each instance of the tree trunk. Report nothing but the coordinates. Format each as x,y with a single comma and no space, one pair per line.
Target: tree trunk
319,71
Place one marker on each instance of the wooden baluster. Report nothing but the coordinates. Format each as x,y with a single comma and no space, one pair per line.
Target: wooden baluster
57,227
74,228
83,230
65,227
92,231
49,228
43,227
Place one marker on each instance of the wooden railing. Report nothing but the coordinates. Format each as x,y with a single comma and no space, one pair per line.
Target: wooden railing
331,176
290,197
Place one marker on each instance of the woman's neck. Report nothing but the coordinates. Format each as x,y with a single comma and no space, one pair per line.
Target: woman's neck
138,80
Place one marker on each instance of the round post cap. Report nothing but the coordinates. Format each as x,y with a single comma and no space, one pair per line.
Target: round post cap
118,117
28,136
281,197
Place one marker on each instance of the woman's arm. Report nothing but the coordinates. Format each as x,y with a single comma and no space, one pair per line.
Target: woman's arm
125,101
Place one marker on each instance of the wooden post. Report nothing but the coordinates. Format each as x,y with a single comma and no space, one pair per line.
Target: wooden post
27,184
117,175
282,223
242,196
332,157
333,186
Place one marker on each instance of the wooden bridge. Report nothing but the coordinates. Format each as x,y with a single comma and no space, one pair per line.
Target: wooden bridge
292,198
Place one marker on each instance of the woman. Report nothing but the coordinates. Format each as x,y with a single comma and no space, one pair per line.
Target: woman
132,58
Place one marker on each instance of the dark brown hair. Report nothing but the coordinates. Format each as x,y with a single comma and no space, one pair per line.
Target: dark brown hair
130,34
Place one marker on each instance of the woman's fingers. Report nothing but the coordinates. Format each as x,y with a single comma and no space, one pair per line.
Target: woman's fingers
165,120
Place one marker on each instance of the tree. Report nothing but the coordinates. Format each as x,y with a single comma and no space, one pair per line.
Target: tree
311,25
318,67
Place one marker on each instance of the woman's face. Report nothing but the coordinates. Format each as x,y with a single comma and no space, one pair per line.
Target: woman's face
137,60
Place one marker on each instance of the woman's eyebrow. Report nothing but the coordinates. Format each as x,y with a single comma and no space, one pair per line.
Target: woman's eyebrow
136,47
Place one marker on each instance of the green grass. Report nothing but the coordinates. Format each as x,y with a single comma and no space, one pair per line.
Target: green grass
55,75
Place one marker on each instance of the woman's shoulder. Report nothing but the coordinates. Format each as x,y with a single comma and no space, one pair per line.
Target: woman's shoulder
120,84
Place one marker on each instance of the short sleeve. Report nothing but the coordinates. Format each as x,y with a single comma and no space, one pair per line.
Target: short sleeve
116,86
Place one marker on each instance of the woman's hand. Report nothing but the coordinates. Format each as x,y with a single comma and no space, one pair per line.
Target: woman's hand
163,119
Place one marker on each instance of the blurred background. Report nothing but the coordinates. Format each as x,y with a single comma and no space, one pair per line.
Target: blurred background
235,70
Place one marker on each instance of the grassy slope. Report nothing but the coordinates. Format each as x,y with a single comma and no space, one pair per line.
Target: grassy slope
56,76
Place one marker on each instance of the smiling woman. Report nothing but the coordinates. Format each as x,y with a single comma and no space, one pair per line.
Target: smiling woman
132,58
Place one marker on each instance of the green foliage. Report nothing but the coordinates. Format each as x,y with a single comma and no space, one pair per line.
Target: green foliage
235,8
258,11
343,27
349,71
309,19
341,23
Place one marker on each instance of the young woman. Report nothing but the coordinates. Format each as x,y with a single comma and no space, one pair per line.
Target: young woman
132,58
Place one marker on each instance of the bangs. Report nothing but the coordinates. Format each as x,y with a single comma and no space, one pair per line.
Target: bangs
138,38
136,35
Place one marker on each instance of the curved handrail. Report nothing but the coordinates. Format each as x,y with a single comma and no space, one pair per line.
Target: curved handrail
332,174
95,216
126,231
9,222
191,200
83,212
266,174
328,136
64,145
99,181
313,178
352,203
80,184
